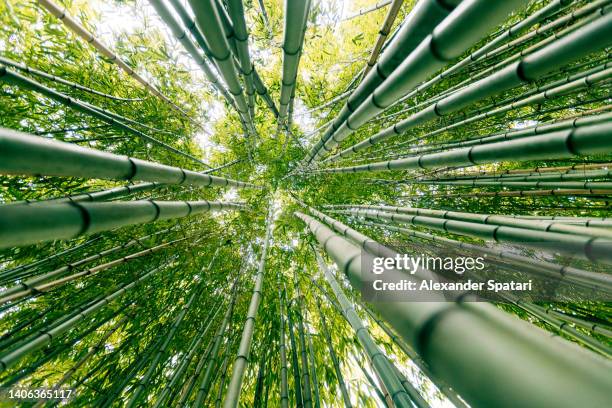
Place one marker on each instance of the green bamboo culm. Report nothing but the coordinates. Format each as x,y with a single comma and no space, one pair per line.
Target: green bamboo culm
232,396
427,326
381,364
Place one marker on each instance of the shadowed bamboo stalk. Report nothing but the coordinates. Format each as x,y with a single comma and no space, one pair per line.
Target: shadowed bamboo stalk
396,5
224,366
282,348
535,170
474,326
555,185
24,154
295,366
313,375
450,39
522,193
306,387
13,78
232,395
207,380
380,363
22,225
88,37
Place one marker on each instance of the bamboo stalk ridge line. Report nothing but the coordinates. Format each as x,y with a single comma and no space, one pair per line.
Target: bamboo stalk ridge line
552,145
526,70
385,30
421,19
13,356
88,37
600,281
449,38
380,363
19,151
14,78
592,248
232,396
473,326
22,225
586,185
209,22
366,10
535,170
296,19
42,285
437,110
23,67
549,176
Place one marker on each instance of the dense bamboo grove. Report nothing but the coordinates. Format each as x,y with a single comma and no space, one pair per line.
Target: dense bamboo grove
192,191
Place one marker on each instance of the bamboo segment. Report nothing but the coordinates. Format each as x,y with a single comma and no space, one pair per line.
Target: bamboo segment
232,396
380,363
282,349
25,225
88,37
296,18
450,39
14,78
396,5
535,369
209,22
553,145
25,154
421,20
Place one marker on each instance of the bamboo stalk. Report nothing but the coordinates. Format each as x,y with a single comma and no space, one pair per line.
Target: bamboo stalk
396,5
24,154
24,225
474,326
366,10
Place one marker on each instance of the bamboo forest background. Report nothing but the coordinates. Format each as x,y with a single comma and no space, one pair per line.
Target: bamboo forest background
269,142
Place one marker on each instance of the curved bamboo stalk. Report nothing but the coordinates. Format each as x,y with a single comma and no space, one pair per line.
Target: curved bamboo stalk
528,69
24,154
474,326
552,145
380,363
296,19
23,67
396,5
235,386
88,37
14,78
24,225
450,40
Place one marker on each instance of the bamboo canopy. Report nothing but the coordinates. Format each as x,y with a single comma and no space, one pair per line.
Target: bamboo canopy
235,260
